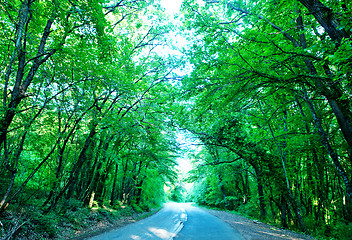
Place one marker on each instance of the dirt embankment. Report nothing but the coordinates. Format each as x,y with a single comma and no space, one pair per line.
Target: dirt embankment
78,224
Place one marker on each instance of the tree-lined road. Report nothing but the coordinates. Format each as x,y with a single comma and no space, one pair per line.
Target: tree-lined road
177,221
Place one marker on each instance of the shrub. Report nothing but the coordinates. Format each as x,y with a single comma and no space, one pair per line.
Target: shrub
341,231
104,212
137,208
74,205
44,224
250,209
126,211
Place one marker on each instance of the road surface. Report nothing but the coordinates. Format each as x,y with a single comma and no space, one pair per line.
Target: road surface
178,221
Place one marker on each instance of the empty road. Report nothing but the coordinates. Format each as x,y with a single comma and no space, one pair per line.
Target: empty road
178,221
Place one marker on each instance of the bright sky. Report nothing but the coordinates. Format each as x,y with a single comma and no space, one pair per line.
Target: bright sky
184,163
177,41
171,6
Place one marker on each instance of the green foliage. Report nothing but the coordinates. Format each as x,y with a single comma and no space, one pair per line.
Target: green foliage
73,205
90,124
263,76
177,193
137,208
250,209
90,109
44,224
341,231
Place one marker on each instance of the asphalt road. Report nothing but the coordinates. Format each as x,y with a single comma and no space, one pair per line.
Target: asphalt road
178,221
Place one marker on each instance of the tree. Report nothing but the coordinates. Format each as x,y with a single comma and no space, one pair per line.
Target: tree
80,78
252,67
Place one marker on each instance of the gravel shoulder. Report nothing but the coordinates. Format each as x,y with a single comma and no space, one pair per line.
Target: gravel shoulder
251,230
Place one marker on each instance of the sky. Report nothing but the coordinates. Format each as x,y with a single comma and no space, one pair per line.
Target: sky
171,6
177,41
184,164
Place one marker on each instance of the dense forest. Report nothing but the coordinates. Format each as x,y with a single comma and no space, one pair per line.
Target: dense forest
95,94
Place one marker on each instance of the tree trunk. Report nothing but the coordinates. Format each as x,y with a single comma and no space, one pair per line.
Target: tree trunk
325,142
20,88
332,92
327,19
260,192
4,202
113,191
13,169
91,191
139,191
123,182
288,189
283,208
343,120
75,171
271,198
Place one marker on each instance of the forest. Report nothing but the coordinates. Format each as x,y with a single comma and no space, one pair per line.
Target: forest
96,93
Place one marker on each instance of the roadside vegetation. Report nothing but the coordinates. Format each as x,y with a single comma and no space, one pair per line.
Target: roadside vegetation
72,221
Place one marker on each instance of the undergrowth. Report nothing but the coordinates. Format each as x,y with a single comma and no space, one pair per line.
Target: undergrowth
66,222
336,230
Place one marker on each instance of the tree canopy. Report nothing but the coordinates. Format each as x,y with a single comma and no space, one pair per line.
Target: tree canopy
269,98
92,106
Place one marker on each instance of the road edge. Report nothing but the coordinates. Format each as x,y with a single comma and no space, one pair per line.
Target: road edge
122,223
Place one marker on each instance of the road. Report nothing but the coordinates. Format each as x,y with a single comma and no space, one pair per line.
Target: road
178,221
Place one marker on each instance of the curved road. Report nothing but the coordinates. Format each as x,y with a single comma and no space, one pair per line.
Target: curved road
178,221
